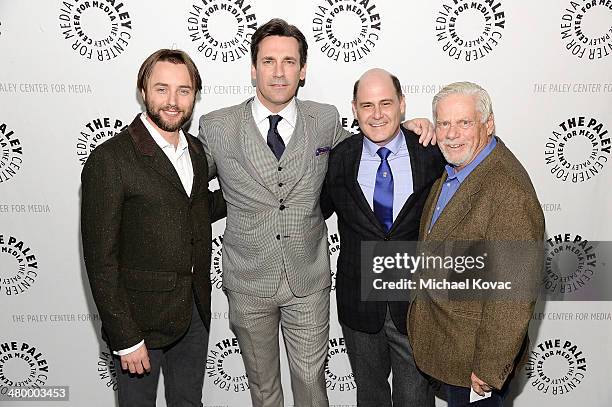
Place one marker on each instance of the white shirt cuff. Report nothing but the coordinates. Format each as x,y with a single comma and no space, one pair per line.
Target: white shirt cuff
131,349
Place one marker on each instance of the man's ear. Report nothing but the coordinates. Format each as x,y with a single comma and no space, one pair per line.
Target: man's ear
303,72
490,125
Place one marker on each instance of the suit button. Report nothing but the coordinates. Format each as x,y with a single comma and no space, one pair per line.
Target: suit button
280,168
191,241
280,184
386,239
277,237
282,207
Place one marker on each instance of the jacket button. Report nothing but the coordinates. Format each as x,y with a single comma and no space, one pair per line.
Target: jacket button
280,184
191,241
386,238
282,207
277,237
280,168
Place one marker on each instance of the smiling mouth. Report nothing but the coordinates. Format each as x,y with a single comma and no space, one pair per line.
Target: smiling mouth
378,124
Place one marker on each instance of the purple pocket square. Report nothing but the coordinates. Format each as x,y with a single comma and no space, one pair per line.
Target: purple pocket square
322,150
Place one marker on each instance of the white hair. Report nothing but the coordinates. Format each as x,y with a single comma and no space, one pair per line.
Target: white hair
483,100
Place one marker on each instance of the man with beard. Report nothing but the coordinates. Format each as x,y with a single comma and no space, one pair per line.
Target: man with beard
146,218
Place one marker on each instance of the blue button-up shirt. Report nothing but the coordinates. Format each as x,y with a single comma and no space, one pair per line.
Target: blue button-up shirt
399,161
455,179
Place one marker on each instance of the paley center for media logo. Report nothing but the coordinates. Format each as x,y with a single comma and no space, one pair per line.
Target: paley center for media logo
346,30
11,153
470,30
97,30
221,30
578,149
586,28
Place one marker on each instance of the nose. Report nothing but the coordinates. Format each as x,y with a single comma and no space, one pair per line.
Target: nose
173,98
377,112
278,71
451,133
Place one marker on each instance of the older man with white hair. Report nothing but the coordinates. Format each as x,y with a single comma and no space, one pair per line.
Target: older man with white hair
484,196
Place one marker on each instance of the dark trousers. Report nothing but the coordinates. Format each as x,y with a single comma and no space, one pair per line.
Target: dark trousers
374,356
183,364
460,397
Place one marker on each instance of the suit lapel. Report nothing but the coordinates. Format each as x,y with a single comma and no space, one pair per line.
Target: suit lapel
353,161
417,168
153,156
260,161
200,167
456,209
300,147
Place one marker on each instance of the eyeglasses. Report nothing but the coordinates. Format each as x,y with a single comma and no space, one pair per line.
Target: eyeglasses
463,124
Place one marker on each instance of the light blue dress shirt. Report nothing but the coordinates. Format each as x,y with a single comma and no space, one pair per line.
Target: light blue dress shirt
455,179
399,161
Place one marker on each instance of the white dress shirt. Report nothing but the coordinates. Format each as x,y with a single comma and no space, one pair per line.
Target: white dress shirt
285,127
181,161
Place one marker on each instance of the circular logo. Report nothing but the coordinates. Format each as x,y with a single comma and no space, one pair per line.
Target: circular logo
222,29
570,263
469,31
556,367
216,265
95,133
22,365
586,28
333,241
18,266
346,30
224,365
96,30
578,149
338,374
11,154
106,370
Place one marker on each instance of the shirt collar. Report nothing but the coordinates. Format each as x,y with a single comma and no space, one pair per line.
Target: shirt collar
159,140
261,113
394,145
463,173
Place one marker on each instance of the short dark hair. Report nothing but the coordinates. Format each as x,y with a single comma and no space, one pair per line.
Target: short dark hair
175,56
279,27
396,84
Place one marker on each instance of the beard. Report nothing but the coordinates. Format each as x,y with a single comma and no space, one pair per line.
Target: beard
456,161
154,113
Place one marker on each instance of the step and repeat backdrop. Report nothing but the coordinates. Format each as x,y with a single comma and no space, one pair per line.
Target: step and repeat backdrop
68,83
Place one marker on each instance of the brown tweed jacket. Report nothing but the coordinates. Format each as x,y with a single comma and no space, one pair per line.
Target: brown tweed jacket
451,338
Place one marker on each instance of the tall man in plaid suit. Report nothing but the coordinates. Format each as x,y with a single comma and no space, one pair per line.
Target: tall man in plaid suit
270,156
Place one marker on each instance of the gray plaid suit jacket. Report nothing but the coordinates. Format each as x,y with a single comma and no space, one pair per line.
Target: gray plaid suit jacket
274,222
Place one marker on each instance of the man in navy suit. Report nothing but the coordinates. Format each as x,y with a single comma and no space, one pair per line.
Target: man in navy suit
377,183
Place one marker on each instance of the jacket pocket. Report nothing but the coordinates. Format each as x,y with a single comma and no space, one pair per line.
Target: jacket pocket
139,280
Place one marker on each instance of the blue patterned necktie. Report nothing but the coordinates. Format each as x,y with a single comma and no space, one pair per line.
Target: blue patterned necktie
383,190
275,142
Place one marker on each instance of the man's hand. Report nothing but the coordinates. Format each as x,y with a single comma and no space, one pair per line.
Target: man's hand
479,386
137,361
424,128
